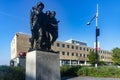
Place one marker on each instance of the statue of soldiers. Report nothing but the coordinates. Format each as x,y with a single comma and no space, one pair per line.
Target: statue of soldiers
33,24
36,24
52,28
44,28
41,42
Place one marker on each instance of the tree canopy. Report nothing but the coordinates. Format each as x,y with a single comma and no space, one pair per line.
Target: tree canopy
92,57
116,55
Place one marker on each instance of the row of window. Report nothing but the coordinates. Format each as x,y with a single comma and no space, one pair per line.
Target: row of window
78,48
74,54
81,55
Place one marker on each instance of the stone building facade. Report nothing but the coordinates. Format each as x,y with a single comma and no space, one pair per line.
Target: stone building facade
71,52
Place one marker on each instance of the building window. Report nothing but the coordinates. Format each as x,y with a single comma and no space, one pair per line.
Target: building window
63,53
76,54
87,55
90,50
72,47
80,55
63,45
80,48
72,54
58,52
84,49
87,49
84,55
68,53
58,45
76,47
102,57
68,46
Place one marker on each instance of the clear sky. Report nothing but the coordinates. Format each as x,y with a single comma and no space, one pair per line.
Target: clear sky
73,16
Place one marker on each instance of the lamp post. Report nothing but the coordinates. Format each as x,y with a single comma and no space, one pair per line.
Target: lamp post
96,36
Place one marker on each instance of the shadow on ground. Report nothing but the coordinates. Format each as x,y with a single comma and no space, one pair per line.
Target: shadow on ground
65,78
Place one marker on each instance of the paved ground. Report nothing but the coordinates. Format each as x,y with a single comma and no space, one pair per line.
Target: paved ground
89,78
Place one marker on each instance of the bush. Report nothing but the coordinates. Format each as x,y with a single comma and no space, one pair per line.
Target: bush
99,72
102,63
67,70
12,73
83,71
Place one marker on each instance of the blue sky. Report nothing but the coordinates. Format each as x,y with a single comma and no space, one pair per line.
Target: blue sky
73,16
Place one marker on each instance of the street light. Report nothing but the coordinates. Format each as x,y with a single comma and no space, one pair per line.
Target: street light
97,34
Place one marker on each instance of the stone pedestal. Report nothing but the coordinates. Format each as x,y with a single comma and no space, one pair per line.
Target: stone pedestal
41,65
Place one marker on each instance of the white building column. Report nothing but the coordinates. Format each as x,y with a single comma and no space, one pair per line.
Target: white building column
78,62
85,62
60,62
70,62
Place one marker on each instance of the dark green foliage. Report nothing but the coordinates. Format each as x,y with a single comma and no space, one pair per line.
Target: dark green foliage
67,70
102,63
116,56
99,72
92,58
12,73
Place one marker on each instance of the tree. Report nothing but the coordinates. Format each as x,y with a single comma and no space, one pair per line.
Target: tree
92,58
116,56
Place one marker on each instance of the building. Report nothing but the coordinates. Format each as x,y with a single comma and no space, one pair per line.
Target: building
71,52
19,46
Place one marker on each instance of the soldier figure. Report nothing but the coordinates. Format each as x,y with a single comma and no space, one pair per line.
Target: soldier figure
44,28
53,27
33,24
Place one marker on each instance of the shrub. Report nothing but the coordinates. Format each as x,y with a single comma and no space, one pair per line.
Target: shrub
99,72
83,71
12,73
67,70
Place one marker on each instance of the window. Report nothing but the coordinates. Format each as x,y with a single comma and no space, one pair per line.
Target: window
87,55
80,48
84,55
68,46
63,45
80,55
72,47
68,53
72,54
63,53
90,50
87,49
76,47
84,49
102,57
58,51
58,45
76,54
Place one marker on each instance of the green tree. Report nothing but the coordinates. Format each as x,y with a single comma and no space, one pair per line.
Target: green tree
116,56
92,57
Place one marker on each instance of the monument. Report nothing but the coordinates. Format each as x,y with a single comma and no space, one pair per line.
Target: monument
42,63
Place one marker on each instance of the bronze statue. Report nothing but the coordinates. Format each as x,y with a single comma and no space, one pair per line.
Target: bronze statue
44,28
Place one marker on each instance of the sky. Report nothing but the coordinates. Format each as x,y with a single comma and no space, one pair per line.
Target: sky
73,16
